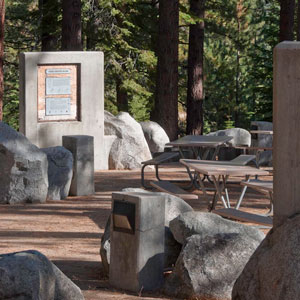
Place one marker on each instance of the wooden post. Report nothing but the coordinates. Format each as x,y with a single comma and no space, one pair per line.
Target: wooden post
286,143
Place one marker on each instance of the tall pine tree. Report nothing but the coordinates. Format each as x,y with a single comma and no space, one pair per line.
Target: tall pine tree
71,25
166,98
195,92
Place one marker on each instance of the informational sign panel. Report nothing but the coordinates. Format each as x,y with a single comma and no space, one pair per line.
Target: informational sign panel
58,106
58,86
58,93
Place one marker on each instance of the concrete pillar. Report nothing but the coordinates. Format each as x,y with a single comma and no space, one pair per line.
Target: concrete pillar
286,119
82,148
137,237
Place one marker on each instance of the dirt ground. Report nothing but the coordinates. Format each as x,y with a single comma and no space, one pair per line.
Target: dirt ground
68,232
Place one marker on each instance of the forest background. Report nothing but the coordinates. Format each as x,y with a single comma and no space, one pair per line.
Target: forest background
237,64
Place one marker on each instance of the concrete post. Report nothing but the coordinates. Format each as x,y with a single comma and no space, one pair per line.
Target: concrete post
137,241
82,148
286,119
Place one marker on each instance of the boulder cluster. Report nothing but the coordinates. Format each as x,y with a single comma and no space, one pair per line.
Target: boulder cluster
32,175
206,252
29,174
133,142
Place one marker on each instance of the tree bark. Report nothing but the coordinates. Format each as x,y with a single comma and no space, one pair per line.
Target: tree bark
2,13
166,98
286,27
49,10
195,91
71,25
298,20
122,97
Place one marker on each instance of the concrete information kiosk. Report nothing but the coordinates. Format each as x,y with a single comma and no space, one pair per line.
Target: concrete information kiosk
62,93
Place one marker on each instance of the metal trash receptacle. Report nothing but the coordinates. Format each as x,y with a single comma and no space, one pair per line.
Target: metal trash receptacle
137,241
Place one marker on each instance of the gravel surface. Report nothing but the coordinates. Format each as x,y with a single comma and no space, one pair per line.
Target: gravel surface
68,232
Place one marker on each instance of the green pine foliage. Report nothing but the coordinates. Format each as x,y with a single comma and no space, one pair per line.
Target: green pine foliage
124,32
239,40
21,35
238,62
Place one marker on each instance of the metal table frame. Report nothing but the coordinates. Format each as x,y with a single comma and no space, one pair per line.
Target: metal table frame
220,172
198,143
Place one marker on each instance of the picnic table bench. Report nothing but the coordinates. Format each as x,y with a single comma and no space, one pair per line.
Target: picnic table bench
156,162
262,186
239,215
168,187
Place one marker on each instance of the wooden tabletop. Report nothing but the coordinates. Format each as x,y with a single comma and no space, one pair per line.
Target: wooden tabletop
253,148
261,131
200,141
259,185
217,168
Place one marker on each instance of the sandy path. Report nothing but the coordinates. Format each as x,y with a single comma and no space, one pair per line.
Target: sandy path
68,232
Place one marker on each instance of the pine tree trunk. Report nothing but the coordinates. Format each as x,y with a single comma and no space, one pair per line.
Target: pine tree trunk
298,20
2,12
287,11
49,11
122,98
195,92
71,25
166,98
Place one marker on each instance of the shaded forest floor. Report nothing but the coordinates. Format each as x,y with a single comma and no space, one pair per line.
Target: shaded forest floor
68,232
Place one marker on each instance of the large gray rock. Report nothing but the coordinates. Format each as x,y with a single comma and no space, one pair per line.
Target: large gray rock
29,275
174,207
23,169
240,137
60,171
273,272
263,140
130,148
205,224
155,136
105,247
207,267
65,289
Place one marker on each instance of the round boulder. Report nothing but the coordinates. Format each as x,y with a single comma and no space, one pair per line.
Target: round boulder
30,275
204,224
23,169
207,267
60,171
240,137
155,135
129,148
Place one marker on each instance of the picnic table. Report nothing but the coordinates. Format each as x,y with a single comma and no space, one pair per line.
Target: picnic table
199,142
194,142
220,171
